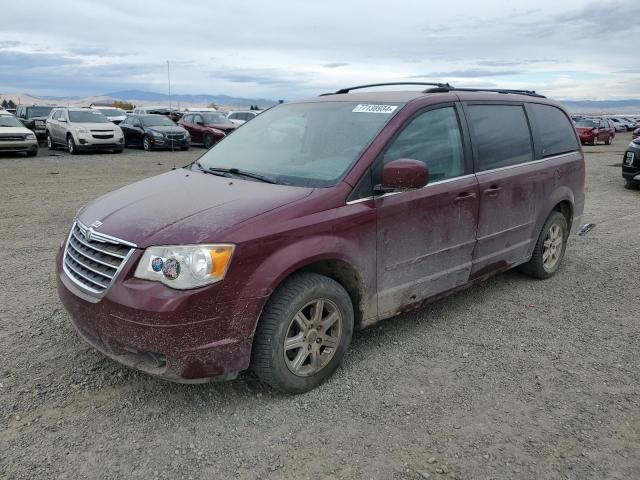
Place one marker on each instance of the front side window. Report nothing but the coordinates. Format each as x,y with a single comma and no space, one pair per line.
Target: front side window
557,135
433,137
305,144
501,135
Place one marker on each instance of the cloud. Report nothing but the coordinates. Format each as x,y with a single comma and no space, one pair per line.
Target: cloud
335,65
469,73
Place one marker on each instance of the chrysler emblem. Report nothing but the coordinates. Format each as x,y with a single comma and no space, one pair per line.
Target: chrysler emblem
88,234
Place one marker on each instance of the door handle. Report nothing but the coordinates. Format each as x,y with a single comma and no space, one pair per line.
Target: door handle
464,196
492,191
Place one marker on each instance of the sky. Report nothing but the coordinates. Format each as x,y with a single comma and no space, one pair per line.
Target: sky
568,49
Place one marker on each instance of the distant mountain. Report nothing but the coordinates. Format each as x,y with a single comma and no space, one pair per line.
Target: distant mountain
602,106
200,99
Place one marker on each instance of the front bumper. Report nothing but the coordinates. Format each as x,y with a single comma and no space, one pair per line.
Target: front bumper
181,336
23,146
587,137
168,143
88,144
631,164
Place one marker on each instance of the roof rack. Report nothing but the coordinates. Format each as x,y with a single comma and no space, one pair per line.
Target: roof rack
347,90
449,88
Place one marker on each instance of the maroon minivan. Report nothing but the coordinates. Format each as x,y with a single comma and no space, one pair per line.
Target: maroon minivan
318,217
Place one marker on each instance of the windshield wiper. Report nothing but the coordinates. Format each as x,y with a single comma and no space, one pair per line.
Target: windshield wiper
241,173
210,172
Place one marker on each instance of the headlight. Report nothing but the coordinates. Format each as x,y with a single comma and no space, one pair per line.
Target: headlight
82,130
117,132
157,134
185,266
31,136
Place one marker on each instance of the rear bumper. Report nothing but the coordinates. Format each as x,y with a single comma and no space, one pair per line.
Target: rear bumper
180,340
631,171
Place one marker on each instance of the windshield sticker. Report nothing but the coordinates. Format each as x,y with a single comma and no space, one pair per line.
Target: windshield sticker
374,108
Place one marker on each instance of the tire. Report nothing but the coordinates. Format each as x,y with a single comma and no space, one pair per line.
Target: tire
631,185
71,145
538,266
293,304
208,141
184,149
33,153
50,144
119,150
146,144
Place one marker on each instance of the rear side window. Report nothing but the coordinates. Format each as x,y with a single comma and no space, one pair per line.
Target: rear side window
557,135
501,136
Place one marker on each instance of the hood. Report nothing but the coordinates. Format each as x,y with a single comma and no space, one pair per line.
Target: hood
33,119
93,126
15,131
225,127
184,206
167,129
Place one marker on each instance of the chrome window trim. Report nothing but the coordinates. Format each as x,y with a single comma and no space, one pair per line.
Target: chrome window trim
531,162
484,172
389,194
96,293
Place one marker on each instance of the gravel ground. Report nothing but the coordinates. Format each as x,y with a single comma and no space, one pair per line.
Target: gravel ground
514,378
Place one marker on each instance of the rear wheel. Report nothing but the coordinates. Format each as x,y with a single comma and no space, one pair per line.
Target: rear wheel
610,140
303,333
549,249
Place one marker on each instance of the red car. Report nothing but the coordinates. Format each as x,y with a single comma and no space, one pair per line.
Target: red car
592,130
207,128
318,217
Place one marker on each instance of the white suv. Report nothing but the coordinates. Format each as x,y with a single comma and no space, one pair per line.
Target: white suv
82,129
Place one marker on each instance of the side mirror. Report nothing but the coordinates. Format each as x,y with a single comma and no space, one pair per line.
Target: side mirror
403,174
63,120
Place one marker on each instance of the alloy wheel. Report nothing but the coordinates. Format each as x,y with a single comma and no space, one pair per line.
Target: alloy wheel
313,337
552,250
70,145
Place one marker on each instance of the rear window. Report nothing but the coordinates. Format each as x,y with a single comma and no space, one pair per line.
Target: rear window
501,136
557,134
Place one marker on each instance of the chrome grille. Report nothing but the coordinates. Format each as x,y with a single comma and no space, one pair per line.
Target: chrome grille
12,138
175,136
93,260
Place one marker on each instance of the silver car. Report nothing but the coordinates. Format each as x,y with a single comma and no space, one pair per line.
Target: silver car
82,129
15,137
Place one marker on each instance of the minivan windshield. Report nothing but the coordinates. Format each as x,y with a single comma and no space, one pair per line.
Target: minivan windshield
157,121
586,124
87,116
303,144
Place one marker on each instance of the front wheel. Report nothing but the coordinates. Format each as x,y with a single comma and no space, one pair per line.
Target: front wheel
146,144
303,333
631,185
550,247
50,144
208,141
71,145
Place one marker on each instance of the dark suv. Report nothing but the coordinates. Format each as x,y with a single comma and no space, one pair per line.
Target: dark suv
318,217
631,165
34,117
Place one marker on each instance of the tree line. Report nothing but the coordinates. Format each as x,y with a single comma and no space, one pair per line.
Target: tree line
8,104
